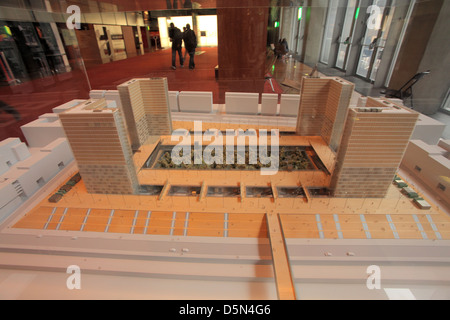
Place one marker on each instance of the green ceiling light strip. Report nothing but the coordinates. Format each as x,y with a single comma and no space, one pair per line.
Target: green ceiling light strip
357,13
300,13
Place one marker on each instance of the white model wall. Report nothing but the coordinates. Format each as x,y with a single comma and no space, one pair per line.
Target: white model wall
269,104
173,101
43,131
9,199
434,167
445,144
43,164
289,105
202,102
195,101
8,153
21,180
241,103
428,130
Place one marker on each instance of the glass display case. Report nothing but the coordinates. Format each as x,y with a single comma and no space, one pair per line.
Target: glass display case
350,96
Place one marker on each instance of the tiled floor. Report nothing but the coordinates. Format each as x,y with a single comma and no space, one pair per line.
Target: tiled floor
132,216
33,98
200,224
342,226
204,224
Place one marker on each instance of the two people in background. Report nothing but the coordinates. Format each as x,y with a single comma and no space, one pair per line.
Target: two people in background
190,43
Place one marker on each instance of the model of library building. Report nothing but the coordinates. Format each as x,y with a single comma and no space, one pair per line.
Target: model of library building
369,142
337,178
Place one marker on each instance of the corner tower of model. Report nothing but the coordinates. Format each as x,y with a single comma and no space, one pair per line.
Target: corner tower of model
100,146
373,143
145,107
323,107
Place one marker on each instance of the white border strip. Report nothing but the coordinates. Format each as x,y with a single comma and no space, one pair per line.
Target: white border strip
109,220
149,214
50,217
136,213
319,227
338,226
392,225
85,219
186,224
172,227
419,225
225,225
365,226
62,218
433,226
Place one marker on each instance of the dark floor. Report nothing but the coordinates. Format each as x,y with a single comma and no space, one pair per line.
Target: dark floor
26,102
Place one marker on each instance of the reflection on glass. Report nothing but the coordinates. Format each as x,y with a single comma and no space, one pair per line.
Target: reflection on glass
40,60
346,35
328,34
374,42
300,31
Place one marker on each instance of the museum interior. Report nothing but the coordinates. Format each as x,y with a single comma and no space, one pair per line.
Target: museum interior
352,95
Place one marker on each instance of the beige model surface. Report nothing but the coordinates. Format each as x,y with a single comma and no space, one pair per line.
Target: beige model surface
359,168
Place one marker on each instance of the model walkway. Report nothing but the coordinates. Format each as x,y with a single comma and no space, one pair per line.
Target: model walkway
314,226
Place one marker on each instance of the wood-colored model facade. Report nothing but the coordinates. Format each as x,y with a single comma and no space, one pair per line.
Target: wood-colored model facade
374,141
101,148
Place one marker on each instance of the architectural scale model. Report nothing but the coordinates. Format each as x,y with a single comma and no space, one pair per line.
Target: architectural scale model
370,142
101,147
329,170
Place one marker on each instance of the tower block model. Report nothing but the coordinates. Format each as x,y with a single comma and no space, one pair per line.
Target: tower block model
374,141
133,112
145,106
101,148
323,107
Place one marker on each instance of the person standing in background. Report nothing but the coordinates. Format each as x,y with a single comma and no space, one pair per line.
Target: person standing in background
190,42
176,37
